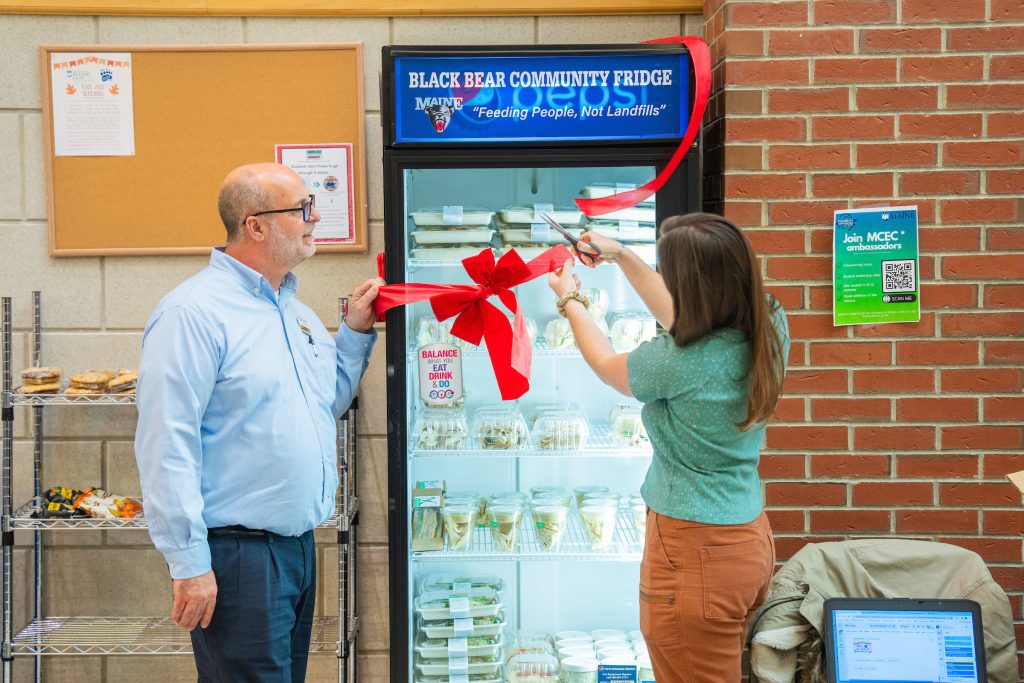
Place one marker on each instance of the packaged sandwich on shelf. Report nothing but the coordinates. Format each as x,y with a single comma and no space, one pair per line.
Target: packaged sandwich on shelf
561,429
474,646
532,668
450,216
476,666
518,235
481,602
627,426
455,583
630,329
427,524
440,429
566,216
497,427
450,628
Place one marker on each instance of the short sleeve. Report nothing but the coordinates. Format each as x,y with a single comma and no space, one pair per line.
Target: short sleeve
658,369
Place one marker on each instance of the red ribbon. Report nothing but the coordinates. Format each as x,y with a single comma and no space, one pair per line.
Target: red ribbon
476,318
702,89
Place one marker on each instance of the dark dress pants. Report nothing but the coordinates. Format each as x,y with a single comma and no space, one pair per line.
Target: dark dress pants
266,590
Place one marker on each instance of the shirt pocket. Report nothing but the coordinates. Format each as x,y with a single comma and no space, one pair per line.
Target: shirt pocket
733,577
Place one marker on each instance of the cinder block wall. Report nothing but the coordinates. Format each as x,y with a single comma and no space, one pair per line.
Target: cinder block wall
94,310
903,430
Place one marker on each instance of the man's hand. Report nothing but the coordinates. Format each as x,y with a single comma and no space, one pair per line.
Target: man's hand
361,315
194,600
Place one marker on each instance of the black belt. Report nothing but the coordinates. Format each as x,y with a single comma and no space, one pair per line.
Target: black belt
238,532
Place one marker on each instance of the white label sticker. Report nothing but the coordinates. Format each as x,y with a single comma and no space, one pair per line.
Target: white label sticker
440,374
457,647
458,665
426,502
464,678
458,607
629,230
430,484
462,587
451,215
464,627
540,232
542,208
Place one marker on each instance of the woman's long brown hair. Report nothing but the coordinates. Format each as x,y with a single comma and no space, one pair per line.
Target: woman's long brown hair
712,274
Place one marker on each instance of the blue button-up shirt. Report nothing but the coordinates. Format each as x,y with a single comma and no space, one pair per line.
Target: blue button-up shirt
239,391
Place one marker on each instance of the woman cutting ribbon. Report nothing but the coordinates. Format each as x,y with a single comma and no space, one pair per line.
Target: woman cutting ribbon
708,386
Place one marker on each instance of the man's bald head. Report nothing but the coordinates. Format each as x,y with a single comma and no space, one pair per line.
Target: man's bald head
247,190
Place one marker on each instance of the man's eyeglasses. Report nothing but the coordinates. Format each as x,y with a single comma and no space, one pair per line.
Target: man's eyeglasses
306,209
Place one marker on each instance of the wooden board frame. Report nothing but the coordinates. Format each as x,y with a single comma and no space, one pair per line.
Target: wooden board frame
347,118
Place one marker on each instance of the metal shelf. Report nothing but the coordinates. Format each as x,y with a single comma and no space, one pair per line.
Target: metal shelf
16,399
23,519
131,636
599,444
627,546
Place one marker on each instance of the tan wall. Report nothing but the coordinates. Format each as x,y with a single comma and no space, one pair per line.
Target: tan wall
94,310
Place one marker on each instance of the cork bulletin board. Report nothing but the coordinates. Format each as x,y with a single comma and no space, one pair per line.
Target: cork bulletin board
200,111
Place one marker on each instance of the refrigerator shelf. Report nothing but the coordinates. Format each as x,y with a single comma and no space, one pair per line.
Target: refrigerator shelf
600,443
130,636
628,545
19,399
23,519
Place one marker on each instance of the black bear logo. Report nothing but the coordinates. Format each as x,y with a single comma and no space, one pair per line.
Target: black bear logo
440,115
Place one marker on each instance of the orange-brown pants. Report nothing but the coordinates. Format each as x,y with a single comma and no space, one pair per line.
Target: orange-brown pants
699,586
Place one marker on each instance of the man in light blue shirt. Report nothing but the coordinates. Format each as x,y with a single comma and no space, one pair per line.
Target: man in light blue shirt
240,387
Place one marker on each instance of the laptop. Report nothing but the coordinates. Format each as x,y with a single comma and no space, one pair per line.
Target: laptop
903,640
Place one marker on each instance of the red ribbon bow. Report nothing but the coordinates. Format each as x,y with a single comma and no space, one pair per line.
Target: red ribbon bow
477,318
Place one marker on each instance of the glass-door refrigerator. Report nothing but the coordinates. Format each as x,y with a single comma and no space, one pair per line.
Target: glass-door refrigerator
516,527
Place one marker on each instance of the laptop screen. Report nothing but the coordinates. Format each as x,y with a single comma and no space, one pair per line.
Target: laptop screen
903,646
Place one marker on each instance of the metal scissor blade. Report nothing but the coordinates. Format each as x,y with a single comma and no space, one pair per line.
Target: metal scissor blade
561,231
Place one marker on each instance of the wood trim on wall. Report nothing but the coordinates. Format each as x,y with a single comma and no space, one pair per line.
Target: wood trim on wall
350,8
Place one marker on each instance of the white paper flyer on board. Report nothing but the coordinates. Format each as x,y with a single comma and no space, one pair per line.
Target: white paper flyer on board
327,171
91,95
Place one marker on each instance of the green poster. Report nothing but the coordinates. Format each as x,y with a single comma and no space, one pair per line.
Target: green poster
875,266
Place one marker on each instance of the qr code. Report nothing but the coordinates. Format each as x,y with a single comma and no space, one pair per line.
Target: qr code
898,276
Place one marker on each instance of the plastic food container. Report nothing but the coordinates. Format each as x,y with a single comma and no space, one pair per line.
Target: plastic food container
640,213
639,513
627,426
434,217
464,584
440,429
599,301
430,330
599,525
629,330
567,635
444,253
529,644
532,668
637,635
563,215
579,670
598,190
549,525
612,643
584,651
475,646
507,497
482,602
602,633
625,231
516,234
471,498
490,666
558,332
575,642
561,429
477,678
481,626
609,498
623,652
459,523
455,235
499,428
645,672
505,522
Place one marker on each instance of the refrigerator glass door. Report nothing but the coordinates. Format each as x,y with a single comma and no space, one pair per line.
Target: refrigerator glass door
507,562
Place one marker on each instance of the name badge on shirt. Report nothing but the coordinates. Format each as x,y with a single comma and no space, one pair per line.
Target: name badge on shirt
305,329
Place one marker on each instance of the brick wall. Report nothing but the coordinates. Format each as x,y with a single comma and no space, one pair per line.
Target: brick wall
907,429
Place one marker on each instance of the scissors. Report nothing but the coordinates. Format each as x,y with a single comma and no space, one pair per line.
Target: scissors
593,250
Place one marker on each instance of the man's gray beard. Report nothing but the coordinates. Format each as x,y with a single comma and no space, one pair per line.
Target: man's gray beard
285,253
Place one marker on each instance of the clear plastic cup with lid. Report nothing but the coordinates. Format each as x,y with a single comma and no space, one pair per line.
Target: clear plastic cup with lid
576,651
624,653
541,491
644,669
600,633
575,642
638,511
509,497
551,498
612,642
580,491
532,668
459,523
549,524
505,522
566,635
599,525
635,635
579,670
602,498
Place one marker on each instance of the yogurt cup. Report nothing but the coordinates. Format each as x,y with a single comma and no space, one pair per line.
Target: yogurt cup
579,670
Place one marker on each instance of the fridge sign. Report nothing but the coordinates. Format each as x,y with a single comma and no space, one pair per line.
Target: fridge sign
536,98
440,374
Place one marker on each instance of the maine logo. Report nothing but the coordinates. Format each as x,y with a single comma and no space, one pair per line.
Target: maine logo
440,115
106,74
845,221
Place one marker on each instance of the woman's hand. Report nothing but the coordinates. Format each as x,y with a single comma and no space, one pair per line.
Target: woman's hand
606,244
563,281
